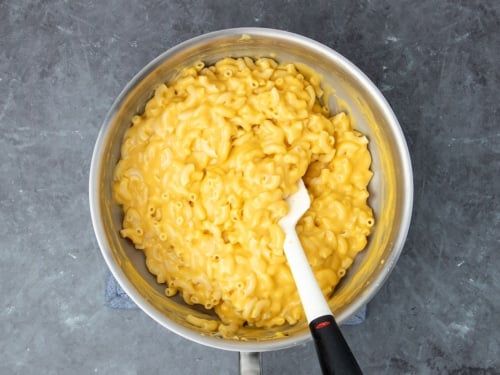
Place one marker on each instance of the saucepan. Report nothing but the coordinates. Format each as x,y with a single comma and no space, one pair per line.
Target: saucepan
391,188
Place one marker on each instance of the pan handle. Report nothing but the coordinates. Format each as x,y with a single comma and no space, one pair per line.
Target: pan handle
250,363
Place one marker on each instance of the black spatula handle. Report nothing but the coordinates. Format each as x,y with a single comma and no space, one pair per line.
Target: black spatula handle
334,354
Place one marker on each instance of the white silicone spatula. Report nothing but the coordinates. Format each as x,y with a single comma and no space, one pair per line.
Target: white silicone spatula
334,354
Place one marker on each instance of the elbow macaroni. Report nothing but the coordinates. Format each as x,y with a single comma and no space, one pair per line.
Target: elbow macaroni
203,177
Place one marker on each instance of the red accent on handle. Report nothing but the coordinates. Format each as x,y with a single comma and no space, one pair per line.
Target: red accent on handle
322,325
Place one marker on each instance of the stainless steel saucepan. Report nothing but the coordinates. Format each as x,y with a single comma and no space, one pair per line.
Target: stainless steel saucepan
391,188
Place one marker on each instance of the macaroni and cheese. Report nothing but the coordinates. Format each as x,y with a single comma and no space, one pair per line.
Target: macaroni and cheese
203,177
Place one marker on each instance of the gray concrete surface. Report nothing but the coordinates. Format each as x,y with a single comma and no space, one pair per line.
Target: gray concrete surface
63,62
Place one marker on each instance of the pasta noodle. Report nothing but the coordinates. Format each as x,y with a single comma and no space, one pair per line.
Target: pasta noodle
203,177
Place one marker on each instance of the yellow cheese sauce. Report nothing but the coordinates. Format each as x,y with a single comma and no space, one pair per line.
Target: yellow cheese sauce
203,177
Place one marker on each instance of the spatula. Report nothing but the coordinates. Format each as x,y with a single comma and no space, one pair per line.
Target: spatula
334,354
